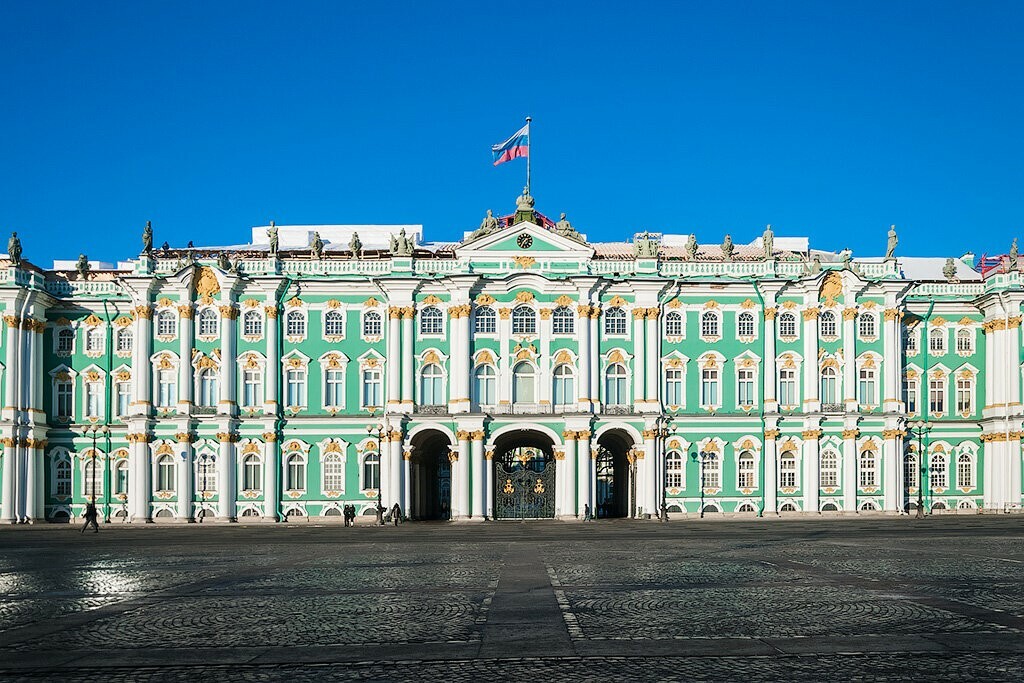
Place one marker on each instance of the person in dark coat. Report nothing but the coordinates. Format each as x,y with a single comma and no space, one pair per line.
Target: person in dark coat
90,518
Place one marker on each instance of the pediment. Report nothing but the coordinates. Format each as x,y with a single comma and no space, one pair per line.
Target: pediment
525,239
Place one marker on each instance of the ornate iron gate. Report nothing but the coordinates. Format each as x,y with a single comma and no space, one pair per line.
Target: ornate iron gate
524,485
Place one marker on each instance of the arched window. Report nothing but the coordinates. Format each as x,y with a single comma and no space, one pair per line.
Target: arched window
829,385
524,380
121,477
615,385
674,324
372,387
564,385
827,324
295,473
208,388
334,324
829,470
252,473
788,471
486,320
938,471
334,473
524,320
747,472
62,477
431,320
371,472
563,321
910,470
866,325
485,385
615,321
937,340
675,470
252,324
206,473
745,324
65,341
709,324
964,341
295,324
94,339
965,471
866,467
166,323
208,322
432,385
373,326
787,325
124,340
165,473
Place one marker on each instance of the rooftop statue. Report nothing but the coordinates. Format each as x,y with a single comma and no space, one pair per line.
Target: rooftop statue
949,270
524,202
768,240
644,246
82,266
403,245
355,245
317,246
14,249
728,250
890,249
272,234
691,248
1014,257
147,238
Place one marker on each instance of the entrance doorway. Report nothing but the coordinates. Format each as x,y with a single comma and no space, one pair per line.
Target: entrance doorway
430,483
614,476
524,477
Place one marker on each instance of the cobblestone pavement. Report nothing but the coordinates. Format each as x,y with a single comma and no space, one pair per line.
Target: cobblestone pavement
862,599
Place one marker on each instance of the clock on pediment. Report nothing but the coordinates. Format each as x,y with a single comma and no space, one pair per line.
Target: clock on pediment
524,240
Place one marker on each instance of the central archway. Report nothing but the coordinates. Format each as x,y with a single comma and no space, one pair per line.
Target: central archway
524,476
430,480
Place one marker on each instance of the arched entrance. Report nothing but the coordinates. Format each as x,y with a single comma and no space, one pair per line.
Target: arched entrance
524,476
614,476
430,477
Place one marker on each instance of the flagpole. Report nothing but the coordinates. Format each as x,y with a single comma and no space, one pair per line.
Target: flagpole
529,152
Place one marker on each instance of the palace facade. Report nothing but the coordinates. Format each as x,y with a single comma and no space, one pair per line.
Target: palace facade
522,372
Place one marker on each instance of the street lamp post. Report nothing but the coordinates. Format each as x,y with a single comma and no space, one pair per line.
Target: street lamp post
378,429
95,430
920,428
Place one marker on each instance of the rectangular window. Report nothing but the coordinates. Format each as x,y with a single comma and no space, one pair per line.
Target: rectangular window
745,387
124,398
709,388
936,396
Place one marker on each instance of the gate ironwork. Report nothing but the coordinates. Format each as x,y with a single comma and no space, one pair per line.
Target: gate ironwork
524,485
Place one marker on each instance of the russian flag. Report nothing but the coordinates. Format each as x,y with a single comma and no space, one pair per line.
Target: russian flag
516,146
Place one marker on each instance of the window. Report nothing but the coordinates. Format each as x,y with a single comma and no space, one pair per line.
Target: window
937,340
252,473
206,473
62,477
252,387
787,388
122,405
711,475
745,386
523,382
787,325
866,466
121,478
910,394
208,388
334,390
65,399
295,384
866,325
65,341
615,385
709,388
295,324
709,324
124,341
208,323
334,324
431,320
745,324
938,471
747,473
965,471
936,396
486,320
373,326
675,469
165,474
829,470
827,325
166,388
432,385
866,387
295,473
524,320
910,470
910,340
252,324
964,395
564,385
674,388
615,321
787,470
484,385
334,473
93,399
372,387
166,324
829,386
563,321
964,341
371,472
674,324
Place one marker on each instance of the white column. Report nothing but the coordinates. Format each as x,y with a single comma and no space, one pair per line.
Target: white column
583,374
639,361
771,472
184,483
586,469
479,494
570,489
227,404
226,469
849,470
650,470
408,376
273,370
653,339
271,471
812,401
850,360
770,379
812,478
185,386
393,365
394,490
460,482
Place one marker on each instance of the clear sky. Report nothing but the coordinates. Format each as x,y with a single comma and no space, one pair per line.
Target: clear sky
827,119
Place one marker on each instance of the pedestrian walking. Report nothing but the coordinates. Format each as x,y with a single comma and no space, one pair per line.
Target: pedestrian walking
90,518
586,512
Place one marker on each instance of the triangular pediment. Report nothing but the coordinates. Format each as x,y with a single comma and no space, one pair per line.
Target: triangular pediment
525,239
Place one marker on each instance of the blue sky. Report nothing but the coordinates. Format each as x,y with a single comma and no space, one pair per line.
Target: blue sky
825,119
